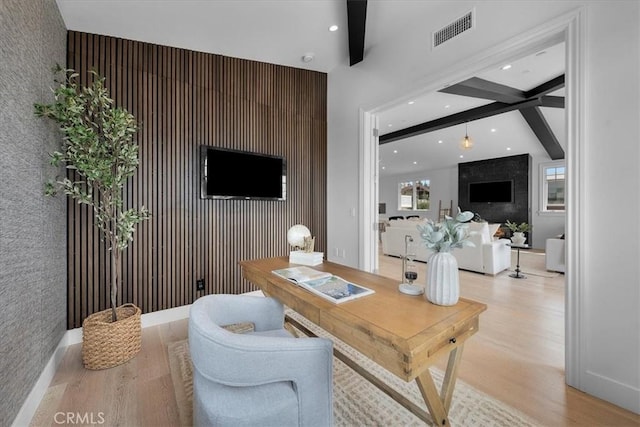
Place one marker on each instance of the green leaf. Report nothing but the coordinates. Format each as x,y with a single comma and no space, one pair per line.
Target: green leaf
98,150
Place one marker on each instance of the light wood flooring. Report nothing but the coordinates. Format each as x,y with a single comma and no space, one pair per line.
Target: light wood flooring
517,357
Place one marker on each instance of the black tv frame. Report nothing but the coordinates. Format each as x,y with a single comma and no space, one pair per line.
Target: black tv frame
204,150
511,195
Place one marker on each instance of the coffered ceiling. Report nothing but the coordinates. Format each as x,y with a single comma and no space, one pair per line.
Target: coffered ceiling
496,136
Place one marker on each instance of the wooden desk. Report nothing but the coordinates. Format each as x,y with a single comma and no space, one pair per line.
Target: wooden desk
404,334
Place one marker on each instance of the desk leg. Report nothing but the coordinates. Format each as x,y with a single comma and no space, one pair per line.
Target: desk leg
439,404
449,381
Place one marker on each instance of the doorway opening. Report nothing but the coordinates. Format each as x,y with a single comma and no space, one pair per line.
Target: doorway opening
566,29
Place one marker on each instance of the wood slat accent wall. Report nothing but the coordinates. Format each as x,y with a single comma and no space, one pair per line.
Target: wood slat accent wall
183,99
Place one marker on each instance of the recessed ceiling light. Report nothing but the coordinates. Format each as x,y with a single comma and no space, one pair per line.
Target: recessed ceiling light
390,125
439,141
395,151
411,102
383,167
461,156
493,130
307,57
447,106
505,67
508,148
333,28
415,163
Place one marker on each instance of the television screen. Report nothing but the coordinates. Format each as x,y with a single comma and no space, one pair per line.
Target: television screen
491,192
233,174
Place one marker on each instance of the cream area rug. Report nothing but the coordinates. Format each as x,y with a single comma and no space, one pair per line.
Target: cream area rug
357,402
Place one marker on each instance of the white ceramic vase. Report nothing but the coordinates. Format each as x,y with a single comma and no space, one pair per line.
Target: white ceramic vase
443,279
518,238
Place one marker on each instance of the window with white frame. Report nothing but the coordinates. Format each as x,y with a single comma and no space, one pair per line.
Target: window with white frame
414,195
552,187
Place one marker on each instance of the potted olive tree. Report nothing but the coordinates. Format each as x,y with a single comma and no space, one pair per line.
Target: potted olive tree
100,154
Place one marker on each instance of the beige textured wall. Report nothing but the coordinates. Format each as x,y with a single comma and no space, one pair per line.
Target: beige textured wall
32,228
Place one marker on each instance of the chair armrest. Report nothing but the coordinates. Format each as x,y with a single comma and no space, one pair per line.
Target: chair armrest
260,359
265,313
306,362
496,256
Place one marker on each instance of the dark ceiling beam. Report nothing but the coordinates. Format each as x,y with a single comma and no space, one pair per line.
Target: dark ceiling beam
356,21
457,119
509,99
547,87
479,88
552,101
540,127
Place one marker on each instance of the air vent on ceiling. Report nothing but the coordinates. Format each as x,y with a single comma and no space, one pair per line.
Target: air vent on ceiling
450,31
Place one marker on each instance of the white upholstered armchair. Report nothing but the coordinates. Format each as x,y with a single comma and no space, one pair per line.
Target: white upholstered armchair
261,378
487,256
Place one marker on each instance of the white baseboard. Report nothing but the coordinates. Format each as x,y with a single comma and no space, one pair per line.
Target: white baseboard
30,405
620,394
74,336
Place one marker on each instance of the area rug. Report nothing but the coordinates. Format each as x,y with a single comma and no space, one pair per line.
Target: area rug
358,403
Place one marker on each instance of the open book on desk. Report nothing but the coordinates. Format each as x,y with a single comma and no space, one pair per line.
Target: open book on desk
321,283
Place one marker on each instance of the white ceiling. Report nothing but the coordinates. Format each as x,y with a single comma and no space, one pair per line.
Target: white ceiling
273,31
282,31
511,135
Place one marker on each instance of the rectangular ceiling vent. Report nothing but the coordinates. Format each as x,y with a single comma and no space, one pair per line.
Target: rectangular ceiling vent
454,29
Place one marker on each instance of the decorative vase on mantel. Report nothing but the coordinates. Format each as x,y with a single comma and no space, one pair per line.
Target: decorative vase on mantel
518,238
443,280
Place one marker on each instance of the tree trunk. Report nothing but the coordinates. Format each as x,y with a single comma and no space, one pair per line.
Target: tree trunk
115,270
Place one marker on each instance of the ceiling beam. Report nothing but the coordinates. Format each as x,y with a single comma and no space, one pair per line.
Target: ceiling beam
546,87
508,99
356,21
540,127
552,101
476,87
457,119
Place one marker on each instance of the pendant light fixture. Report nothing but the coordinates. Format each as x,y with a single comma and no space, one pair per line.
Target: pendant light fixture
466,143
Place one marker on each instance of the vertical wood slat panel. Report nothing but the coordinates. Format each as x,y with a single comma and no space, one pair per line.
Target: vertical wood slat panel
183,99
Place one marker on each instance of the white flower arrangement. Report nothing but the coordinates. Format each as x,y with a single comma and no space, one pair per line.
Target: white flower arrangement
447,235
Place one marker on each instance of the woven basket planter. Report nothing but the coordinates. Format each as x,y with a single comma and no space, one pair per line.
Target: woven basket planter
106,344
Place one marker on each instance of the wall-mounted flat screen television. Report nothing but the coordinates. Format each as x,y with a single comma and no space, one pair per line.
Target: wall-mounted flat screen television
491,192
234,174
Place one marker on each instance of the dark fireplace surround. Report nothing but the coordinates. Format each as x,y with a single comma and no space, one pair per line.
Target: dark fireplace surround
514,168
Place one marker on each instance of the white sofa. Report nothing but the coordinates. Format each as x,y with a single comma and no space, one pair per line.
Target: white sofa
554,255
393,238
489,256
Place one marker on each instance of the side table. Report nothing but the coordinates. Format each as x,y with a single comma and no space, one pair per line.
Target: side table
517,274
